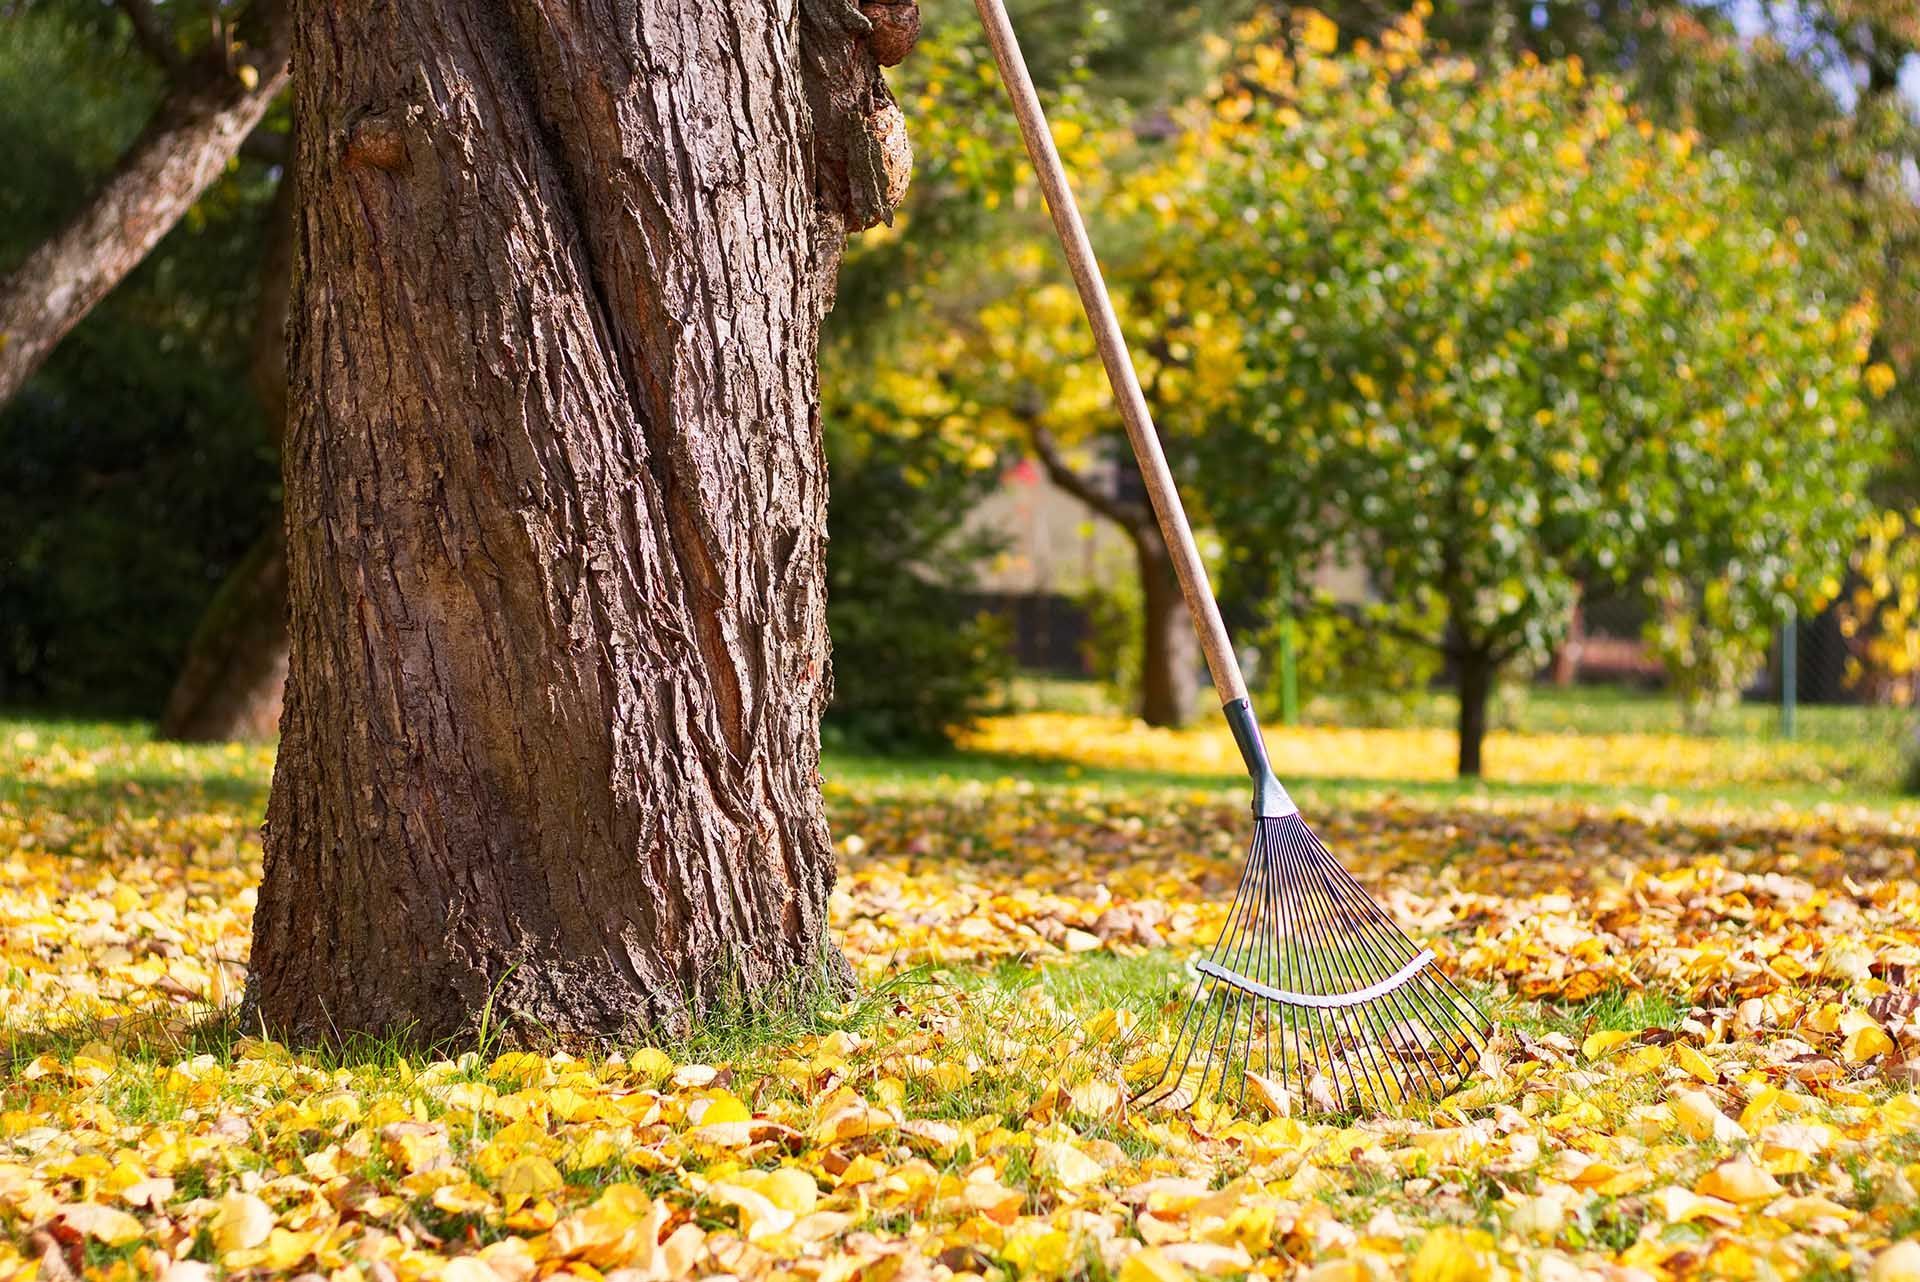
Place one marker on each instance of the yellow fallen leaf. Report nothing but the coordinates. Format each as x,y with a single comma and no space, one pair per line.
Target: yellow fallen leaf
718,1108
1695,1063
1067,1165
1452,1255
463,1198
101,1223
1739,1180
1150,1264
1600,1043
240,1221
650,1062
1810,1211
1898,1263
526,1178
1270,1095
1700,1117
1862,1037
1679,1206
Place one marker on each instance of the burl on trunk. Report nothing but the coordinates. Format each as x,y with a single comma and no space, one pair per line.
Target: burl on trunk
556,510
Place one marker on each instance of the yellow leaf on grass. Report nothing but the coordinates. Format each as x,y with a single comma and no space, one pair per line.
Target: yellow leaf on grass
1701,1118
650,1062
1898,1263
1739,1181
1452,1255
718,1108
1600,1043
1680,1206
463,1198
1150,1264
1862,1037
1695,1063
239,1222
1067,1165
101,1223
1270,1095
526,1178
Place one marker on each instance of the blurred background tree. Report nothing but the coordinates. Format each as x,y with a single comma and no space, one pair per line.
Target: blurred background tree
134,464
1505,337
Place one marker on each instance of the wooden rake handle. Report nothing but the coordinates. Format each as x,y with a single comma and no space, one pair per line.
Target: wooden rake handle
1113,354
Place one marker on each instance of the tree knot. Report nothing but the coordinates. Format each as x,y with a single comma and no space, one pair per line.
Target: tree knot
896,29
378,140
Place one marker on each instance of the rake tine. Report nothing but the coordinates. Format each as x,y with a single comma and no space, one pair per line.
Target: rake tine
1457,1058
1325,889
1242,952
1313,975
1331,979
1145,1096
1381,956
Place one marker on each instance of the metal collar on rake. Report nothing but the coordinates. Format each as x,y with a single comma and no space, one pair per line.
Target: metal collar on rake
1311,986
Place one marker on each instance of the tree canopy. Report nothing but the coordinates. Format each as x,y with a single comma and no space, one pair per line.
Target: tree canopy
1503,337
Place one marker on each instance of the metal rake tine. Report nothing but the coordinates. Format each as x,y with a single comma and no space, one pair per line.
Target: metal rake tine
1315,974
1379,1074
1322,924
1203,985
1382,957
1243,948
1395,932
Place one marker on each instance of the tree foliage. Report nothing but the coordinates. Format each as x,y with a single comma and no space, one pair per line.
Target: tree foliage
1505,336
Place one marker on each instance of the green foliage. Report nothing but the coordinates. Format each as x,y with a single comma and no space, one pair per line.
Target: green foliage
914,660
1503,337
1710,640
1114,648
135,467
1348,671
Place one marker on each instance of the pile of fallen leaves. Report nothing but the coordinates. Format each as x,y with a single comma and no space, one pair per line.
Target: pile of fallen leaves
1428,754
1706,1065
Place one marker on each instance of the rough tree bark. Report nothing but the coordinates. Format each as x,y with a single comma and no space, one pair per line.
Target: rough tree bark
214,101
1169,651
235,669
556,510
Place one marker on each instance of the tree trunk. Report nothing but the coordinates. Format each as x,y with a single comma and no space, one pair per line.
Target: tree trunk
236,666
556,507
1170,650
1476,687
231,681
214,103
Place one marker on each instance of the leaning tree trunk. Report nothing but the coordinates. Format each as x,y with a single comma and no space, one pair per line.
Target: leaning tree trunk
206,115
231,681
556,507
1169,651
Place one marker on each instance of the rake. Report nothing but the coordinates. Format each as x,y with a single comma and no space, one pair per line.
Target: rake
1312,998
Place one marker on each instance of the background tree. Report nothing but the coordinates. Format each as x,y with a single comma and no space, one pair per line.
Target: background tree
1505,337
556,511
217,91
134,464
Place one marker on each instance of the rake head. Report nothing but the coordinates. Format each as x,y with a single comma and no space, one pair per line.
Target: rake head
1313,999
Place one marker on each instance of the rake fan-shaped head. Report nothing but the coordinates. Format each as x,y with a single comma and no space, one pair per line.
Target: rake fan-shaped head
1313,1000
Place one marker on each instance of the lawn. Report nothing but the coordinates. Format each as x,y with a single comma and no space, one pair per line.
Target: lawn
1702,956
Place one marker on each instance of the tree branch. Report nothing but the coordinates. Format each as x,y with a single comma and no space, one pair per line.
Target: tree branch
185,146
1063,475
150,32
